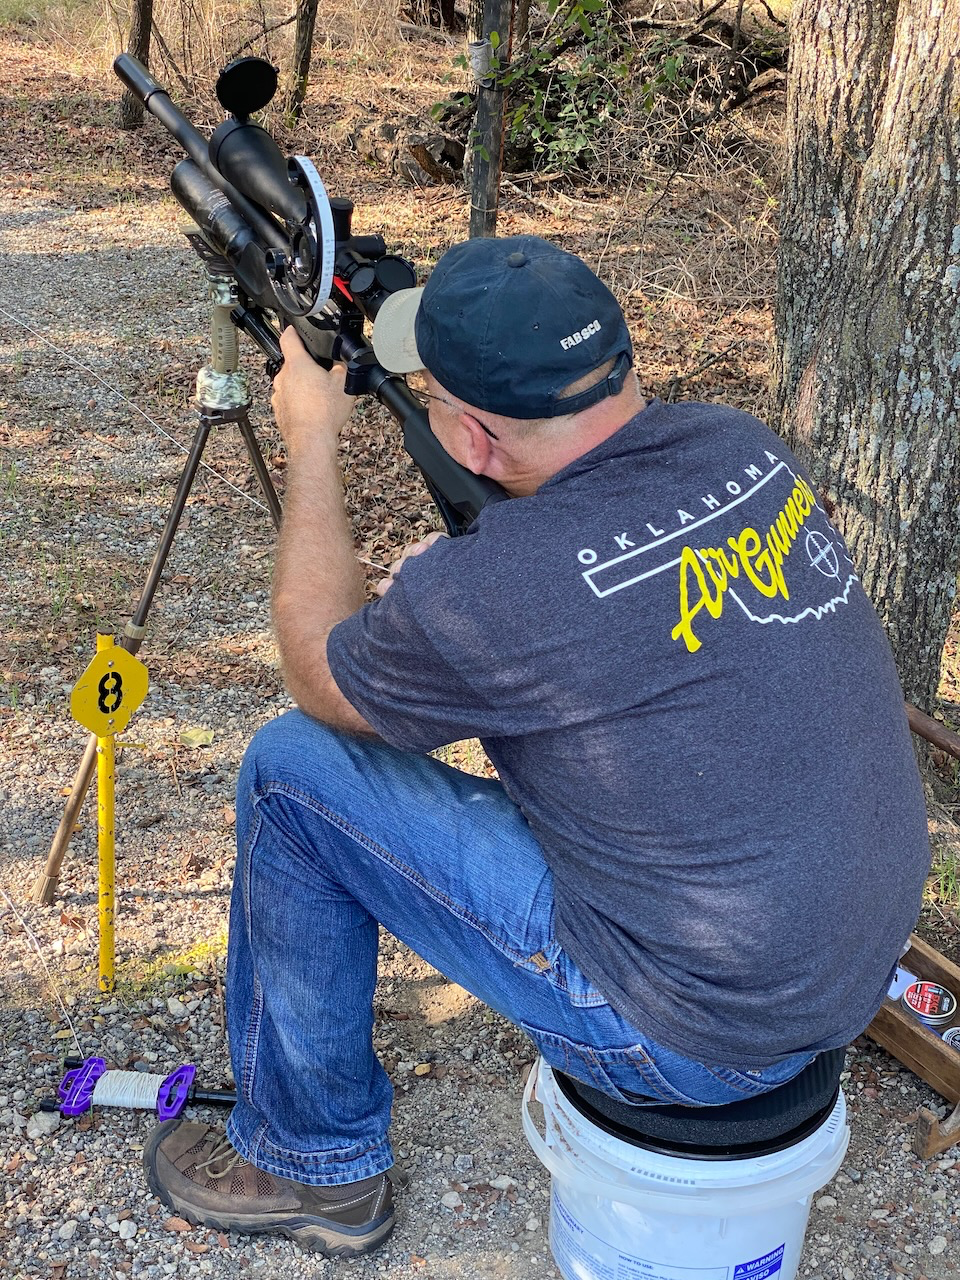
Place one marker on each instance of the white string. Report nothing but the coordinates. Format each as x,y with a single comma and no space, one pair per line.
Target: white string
126,400
127,1089
50,978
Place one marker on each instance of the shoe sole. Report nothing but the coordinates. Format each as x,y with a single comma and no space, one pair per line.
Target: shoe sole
319,1235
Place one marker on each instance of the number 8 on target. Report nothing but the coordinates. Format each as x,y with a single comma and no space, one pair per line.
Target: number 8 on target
103,700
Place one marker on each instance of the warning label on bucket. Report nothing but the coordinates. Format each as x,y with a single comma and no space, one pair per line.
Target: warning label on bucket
760,1268
580,1253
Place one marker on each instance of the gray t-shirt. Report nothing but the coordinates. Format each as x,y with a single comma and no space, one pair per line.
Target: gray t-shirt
670,660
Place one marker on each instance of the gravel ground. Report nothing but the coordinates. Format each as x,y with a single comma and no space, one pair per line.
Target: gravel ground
99,307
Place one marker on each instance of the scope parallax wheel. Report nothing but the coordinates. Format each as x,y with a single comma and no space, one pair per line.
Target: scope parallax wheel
303,287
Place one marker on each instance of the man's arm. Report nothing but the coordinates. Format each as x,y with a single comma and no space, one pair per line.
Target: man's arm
317,581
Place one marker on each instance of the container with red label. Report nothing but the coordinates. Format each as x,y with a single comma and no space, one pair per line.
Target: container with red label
933,1004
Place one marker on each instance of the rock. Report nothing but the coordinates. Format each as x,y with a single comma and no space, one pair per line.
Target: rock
68,1230
127,1229
176,1008
826,1202
452,1200
532,1224
937,1245
502,1183
43,1122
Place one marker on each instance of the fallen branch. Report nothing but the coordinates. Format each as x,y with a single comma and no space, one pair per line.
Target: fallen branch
712,359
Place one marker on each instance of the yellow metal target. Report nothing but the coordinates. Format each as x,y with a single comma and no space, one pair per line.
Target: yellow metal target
108,693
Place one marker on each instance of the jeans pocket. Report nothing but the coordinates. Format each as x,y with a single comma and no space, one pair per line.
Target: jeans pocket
750,1084
629,1075
567,977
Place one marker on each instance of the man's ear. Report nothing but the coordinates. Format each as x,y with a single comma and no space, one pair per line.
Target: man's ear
478,445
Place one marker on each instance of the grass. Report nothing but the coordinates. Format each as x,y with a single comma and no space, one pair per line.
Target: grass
136,981
31,13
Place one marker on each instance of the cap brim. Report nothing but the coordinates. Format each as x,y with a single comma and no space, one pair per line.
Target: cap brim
394,339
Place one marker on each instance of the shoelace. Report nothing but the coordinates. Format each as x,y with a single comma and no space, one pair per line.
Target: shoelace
226,1154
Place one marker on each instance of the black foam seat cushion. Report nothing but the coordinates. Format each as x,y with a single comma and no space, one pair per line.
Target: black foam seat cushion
769,1122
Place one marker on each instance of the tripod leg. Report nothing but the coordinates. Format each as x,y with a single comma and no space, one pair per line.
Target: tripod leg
45,887
259,466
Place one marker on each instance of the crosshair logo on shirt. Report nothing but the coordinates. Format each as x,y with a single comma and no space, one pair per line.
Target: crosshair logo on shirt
822,554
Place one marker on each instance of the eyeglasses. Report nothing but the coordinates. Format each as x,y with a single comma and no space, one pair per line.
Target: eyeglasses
423,398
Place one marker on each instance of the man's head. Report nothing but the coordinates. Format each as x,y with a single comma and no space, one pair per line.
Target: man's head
508,326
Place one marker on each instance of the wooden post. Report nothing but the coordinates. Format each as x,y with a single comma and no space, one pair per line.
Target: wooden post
141,22
486,17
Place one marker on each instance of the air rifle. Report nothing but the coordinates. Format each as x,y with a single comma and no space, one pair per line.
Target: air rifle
267,220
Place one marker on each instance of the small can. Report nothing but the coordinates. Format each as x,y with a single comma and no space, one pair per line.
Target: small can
933,1004
952,1037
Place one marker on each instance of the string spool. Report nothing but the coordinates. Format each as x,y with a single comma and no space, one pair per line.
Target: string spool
137,1089
88,1083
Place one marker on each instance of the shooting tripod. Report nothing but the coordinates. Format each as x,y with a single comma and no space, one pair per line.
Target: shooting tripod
222,397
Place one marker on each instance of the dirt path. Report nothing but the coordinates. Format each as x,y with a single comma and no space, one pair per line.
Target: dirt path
100,308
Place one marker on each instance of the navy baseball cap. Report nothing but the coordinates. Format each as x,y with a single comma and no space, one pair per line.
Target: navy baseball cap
506,325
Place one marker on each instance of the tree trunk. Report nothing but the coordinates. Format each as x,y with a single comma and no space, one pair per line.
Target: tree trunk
486,17
302,53
141,20
521,26
442,13
867,364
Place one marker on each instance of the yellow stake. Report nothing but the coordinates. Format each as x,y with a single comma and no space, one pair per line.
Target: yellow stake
106,850
103,700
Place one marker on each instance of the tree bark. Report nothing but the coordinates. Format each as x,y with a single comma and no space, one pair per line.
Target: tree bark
442,13
521,26
141,20
867,362
487,16
302,54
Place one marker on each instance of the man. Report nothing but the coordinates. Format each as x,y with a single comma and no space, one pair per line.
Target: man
708,841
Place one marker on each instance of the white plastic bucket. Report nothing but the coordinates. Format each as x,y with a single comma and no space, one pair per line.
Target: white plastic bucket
619,1212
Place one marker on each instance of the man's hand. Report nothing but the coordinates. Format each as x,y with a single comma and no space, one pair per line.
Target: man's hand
308,401
414,549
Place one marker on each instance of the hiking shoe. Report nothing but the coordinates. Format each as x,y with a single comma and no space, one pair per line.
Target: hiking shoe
195,1169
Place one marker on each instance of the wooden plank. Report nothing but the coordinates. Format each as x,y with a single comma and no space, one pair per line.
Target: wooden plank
926,962
918,1048
932,1136
922,1050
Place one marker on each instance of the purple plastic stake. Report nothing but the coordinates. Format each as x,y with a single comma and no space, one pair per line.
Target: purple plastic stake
76,1088
173,1094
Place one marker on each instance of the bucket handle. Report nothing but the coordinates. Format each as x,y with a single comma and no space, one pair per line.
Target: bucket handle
723,1204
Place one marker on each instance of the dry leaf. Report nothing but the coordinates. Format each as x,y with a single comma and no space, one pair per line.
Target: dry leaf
176,1224
196,1247
196,737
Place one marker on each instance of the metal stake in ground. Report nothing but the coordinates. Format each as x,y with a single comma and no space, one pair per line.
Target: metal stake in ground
104,698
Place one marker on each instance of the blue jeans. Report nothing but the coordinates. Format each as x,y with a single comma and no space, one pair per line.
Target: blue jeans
337,833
